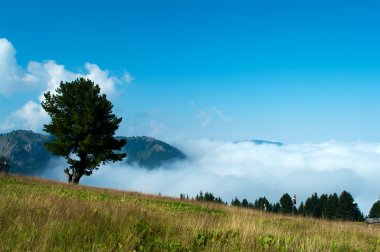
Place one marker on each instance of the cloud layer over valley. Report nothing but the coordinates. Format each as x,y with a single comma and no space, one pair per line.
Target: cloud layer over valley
247,170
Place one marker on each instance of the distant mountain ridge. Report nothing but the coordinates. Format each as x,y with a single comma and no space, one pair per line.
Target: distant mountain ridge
260,142
28,154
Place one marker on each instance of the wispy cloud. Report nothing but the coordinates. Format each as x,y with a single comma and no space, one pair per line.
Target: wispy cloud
221,114
128,78
249,171
208,115
205,118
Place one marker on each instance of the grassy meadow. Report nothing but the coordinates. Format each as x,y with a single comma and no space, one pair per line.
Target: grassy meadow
43,215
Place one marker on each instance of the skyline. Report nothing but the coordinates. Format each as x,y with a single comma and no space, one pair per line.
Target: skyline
291,72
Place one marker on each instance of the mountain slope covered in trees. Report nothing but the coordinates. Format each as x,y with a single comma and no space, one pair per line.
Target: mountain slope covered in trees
28,155
26,151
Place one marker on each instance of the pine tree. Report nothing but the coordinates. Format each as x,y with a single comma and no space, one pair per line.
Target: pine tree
301,209
263,204
286,204
330,208
244,203
84,127
321,205
347,209
375,210
236,202
276,208
209,197
311,206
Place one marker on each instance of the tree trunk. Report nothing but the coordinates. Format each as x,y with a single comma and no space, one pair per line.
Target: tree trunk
76,177
73,177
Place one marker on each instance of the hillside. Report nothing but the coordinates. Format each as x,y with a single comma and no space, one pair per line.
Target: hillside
149,152
28,155
78,218
26,150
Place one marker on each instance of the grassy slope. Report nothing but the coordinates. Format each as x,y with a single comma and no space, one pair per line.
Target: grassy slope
41,215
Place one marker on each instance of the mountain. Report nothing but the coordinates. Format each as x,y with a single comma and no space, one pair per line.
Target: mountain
260,142
28,155
26,150
149,152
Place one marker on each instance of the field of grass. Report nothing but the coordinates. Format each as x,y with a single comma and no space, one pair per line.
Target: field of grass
42,215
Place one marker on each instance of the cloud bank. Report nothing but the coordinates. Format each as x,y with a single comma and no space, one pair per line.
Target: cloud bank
247,170
43,76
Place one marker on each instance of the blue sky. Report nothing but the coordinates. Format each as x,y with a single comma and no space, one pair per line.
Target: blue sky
292,71
305,73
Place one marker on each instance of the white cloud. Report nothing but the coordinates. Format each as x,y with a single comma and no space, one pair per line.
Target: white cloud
107,83
12,77
249,171
30,116
43,76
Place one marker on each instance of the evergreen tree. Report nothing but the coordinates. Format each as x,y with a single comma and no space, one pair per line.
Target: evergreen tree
286,204
276,207
331,206
301,209
321,205
347,209
236,202
375,210
244,203
263,204
200,197
84,127
311,206
209,197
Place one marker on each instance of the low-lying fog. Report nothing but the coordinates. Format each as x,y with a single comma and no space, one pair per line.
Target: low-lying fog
247,170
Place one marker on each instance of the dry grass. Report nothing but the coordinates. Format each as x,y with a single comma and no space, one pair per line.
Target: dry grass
42,215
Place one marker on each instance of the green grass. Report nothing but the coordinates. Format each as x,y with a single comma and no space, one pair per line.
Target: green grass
42,215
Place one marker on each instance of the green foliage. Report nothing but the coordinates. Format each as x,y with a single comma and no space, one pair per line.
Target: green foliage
83,125
330,207
262,204
236,202
273,243
375,210
244,203
347,209
321,205
4,164
216,238
301,209
276,207
286,204
312,206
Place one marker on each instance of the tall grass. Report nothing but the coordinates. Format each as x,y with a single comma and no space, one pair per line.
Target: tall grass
42,215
